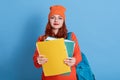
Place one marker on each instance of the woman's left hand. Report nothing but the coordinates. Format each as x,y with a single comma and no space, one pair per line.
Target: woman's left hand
70,61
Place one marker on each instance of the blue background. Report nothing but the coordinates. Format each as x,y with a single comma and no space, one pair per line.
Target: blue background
96,24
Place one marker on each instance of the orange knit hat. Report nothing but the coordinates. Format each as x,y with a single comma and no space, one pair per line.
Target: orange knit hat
57,9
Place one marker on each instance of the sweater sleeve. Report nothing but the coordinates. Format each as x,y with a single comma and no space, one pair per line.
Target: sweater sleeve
77,52
36,54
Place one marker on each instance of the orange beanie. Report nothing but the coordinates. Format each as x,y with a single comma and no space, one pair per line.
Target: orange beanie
57,9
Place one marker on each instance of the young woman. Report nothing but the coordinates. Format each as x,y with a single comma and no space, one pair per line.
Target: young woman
56,28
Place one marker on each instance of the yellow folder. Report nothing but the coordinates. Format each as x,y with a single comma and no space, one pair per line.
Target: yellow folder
55,51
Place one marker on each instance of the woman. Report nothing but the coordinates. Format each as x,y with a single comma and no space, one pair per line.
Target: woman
56,28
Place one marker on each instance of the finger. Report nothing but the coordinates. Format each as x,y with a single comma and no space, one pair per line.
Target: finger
67,60
39,62
44,59
69,64
72,61
42,62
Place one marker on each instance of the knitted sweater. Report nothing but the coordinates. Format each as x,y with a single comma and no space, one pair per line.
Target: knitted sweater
76,55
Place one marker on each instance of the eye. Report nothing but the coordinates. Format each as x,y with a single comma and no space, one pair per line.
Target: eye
60,18
52,17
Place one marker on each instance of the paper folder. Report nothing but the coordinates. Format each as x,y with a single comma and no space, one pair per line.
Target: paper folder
70,48
68,43
55,51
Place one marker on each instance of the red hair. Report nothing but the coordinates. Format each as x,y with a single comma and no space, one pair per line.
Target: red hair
62,32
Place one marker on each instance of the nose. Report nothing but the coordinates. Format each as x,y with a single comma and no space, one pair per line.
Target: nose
56,19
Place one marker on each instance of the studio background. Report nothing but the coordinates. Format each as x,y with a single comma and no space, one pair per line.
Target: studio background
96,24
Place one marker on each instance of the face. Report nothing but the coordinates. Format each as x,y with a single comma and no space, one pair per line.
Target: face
56,21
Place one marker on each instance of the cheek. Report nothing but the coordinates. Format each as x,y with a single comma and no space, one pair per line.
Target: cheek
61,23
51,22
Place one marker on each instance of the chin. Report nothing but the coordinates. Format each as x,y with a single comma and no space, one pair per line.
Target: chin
56,27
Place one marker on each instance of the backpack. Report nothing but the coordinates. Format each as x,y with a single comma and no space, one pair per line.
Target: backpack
83,69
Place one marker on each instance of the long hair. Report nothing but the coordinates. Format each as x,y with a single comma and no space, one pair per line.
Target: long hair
62,32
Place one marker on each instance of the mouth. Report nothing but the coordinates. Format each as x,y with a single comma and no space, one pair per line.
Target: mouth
56,24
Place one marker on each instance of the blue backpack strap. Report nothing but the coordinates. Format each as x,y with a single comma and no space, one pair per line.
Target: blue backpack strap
69,35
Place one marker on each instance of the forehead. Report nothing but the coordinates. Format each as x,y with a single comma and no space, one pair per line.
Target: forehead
56,15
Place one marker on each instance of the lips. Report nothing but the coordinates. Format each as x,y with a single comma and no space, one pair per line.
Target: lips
56,24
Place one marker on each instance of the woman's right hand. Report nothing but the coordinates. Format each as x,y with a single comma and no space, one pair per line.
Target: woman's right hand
41,59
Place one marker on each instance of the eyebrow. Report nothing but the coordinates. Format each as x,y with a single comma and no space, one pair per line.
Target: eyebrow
57,16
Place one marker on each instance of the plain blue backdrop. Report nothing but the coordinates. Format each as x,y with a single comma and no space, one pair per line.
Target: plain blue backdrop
96,24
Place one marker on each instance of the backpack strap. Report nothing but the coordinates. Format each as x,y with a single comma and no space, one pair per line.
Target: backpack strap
69,35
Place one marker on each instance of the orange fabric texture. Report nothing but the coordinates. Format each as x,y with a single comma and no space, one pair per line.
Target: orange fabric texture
76,54
57,9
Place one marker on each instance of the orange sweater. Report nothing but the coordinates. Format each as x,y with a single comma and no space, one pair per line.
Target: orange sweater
76,54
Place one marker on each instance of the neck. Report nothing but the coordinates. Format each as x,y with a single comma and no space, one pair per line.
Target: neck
55,31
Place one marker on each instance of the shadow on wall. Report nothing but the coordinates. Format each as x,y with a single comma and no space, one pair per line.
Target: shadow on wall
24,68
